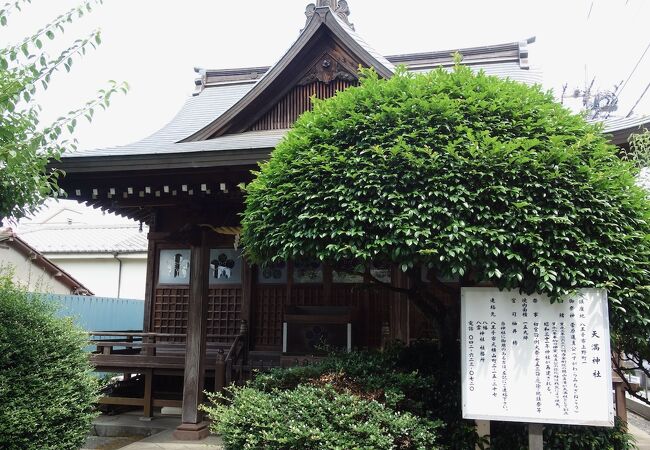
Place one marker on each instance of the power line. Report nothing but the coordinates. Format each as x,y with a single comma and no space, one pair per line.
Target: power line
630,76
639,99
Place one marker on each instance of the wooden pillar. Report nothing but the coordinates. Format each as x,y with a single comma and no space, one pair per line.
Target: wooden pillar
246,299
148,394
619,398
149,291
220,372
193,427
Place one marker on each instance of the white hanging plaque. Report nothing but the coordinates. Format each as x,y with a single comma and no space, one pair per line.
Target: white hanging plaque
527,360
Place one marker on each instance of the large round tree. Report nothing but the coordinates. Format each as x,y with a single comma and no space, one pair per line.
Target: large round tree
470,175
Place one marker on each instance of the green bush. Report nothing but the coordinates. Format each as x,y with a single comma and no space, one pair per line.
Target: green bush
46,384
420,380
514,436
310,417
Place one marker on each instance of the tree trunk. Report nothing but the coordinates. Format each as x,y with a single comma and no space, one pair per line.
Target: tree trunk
443,313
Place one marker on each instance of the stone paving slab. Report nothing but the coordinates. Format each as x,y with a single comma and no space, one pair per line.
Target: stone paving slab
165,441
641,437
639,427
108,443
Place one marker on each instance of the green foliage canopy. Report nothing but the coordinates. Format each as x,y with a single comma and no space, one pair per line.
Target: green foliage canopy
47,388
471,175
26,145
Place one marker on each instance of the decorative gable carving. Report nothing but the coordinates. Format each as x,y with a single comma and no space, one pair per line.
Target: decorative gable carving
340,8
326,70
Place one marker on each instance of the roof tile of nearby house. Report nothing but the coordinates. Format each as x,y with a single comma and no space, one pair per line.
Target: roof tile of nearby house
620,128
9,237
69,239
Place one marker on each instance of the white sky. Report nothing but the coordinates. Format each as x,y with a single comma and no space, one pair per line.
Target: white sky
154,46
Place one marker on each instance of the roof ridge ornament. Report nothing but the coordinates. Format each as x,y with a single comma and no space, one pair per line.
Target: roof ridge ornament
339,7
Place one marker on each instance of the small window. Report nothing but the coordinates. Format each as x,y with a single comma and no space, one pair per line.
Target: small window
348,272
225,266
308,272
275,273
174,266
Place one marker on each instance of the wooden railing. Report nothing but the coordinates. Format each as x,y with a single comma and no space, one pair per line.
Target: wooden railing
148,344
230,367
136,352
158,350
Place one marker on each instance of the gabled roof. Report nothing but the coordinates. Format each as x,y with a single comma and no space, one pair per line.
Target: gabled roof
274,84
205,133
220,89
9,237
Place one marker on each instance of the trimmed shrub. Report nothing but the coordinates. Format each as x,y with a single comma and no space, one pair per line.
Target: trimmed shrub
514,436
310,417
419,380
46,384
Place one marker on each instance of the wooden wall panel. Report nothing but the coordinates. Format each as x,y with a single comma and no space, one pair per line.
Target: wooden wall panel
170,311
170,308
372,306
296,102
307,295
224,312
268,309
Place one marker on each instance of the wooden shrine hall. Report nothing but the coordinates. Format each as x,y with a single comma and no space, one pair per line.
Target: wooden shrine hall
209,314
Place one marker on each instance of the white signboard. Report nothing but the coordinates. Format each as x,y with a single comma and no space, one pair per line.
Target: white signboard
527,360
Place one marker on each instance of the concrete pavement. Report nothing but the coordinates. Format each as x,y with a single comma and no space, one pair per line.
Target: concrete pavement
642,438
165,441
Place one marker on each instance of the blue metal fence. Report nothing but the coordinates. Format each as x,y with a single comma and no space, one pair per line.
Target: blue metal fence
101,313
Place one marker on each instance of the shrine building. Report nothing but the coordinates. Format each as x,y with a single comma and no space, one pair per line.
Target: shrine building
210,317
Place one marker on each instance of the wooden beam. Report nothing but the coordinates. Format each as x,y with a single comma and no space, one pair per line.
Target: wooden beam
196,334
125,401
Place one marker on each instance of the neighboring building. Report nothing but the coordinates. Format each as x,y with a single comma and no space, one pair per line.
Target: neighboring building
106,252
34,271
182,181
620,129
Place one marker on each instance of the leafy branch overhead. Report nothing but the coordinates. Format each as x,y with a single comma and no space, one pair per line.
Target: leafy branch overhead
471,176
26,145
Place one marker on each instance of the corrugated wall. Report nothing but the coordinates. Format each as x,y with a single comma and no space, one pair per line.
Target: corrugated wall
101,313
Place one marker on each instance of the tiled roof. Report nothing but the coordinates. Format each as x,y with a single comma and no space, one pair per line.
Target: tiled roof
221,92
197,112
381,59
240,141
620,128
85,238
510,70
8,236
203,108
613,124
